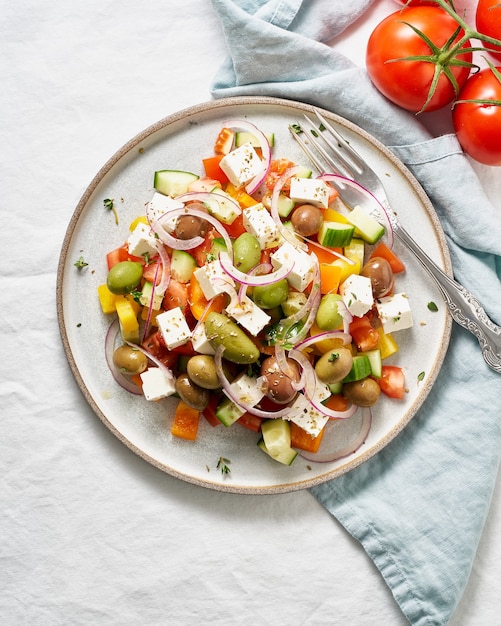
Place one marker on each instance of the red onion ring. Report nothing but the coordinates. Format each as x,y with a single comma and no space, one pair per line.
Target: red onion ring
109,349
329,448
383,213
218,361
254,280
328,334
258,180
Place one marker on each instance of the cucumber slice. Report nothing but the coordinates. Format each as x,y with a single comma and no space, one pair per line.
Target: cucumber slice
355,251
222,206
145,297
335,234
285,205
182,266
366,226
227,412
276,441
246,137
376,362
218,245
173,182
361,368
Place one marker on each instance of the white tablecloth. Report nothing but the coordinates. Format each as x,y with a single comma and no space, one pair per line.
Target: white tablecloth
89,532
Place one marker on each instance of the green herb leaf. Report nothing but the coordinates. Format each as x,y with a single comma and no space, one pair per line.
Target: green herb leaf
109,204
80,263
432,306
222,465
421,376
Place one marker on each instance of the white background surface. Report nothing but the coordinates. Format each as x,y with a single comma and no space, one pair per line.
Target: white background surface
90,533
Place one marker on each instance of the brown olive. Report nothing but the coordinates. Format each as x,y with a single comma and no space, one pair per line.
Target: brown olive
201,369
189,226
381,275
130,360
192,394
307,219
363,392
279,384
334,365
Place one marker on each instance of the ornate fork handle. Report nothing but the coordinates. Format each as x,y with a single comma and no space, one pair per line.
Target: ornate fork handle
465,309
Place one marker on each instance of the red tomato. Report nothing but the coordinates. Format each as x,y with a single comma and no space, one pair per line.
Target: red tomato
392,381
478,126
364,335
176,295
415,3
407,82
488,21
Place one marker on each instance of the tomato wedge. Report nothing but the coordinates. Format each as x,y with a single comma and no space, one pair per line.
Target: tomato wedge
363,333
392,381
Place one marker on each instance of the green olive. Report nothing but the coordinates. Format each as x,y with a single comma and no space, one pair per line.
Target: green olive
238,346
294,302
271,296
130,360
246,252
124,277
334,365
363,392
193,395
328,316
201,369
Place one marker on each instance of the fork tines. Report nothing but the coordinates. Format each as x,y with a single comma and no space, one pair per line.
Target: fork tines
312,143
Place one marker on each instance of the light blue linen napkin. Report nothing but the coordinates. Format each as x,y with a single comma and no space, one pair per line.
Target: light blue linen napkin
418,507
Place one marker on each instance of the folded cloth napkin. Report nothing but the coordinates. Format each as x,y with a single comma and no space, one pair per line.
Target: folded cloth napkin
418,507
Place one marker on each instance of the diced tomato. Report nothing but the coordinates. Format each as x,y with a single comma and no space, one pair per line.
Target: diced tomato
176,295
236,228
382,250
150,270
210,410
200,252
251,422
278,167
363,333
117,256
155,345
392,381
212,169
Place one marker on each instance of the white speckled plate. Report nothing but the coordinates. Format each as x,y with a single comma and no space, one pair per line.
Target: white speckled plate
180,141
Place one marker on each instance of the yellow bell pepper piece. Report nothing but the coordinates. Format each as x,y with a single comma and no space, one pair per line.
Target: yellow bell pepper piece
387,343
142,219
127,310
107,299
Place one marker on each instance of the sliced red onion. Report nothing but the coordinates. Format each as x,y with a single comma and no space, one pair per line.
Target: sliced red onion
328,334
218,361
342,438
382,212
254,280
286,233
346,315
166,275
258,180
109,349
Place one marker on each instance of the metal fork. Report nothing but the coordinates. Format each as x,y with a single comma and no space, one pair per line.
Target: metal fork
331,153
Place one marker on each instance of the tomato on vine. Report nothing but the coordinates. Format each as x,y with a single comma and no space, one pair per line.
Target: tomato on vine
488,22
419,57
477,116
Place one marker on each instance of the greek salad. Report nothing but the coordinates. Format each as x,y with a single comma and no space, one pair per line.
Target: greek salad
252,294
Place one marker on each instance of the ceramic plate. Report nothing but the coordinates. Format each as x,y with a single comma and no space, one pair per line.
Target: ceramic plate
179,142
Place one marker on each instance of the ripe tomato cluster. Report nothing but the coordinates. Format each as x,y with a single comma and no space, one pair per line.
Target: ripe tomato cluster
421,58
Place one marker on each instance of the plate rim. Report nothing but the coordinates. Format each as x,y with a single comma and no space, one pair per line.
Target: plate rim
133,143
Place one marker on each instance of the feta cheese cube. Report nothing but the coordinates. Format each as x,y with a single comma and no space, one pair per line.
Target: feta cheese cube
156,384
248,314
305,415
356,292
159,205
241,165
309,191
141,241
394,312
304,266
247,390
172,324
213,279
200,342
258,221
